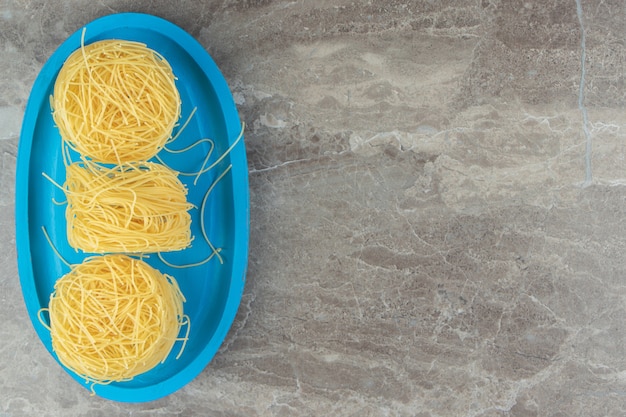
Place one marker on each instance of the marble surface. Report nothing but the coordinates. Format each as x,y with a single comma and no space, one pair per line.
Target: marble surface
438,206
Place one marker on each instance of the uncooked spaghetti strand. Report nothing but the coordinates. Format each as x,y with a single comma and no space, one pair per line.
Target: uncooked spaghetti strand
203,169
227,152
202,210
53,247
173,138
214,252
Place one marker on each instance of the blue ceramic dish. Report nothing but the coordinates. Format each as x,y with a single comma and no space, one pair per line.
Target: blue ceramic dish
213,290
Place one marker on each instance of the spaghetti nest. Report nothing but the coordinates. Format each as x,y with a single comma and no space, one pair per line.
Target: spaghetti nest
130,208
116,101
114,317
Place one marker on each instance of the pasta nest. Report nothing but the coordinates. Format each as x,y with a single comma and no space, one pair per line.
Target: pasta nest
114,317
116,101
130,208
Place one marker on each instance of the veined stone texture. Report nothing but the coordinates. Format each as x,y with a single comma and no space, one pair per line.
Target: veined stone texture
438,208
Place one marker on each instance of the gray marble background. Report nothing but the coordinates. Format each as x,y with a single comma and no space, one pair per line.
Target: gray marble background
438,208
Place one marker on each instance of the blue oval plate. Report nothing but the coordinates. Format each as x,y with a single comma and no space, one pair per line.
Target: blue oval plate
213,290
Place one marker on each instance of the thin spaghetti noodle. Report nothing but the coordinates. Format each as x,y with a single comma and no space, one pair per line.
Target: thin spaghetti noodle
116,101
130,208
114,317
